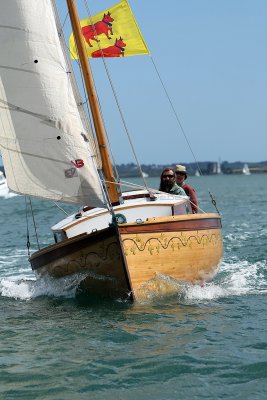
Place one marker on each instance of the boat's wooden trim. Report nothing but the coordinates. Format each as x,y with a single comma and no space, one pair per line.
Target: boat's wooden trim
66,247
173,223
182,217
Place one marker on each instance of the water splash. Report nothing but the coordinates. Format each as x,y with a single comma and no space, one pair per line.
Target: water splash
160,287
8,195
236,278
61,287
27,289
17,289
242,277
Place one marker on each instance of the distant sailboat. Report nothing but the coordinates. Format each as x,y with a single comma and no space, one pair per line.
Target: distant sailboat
219,169
246,170
216,170
197,173
145,175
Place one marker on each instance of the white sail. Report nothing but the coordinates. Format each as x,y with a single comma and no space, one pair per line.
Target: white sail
44,143
246,170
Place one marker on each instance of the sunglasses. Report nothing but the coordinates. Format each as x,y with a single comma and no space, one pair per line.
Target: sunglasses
168,176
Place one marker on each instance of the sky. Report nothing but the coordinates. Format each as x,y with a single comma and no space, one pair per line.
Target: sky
211,56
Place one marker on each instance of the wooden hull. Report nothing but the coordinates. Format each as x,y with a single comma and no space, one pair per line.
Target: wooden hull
186,248
97,257
121,262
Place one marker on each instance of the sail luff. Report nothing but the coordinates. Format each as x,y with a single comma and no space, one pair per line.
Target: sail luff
87,75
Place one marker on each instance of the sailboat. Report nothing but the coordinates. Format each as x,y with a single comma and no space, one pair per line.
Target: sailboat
217,170
116,242
246,170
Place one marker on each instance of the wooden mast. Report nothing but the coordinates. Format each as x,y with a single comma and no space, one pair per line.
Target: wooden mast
88,79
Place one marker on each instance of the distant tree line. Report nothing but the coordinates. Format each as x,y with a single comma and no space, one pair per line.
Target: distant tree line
204,168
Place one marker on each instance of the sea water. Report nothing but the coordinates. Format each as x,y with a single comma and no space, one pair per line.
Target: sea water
205,342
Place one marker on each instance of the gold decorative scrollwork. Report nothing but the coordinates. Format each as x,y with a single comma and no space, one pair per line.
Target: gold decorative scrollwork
136,244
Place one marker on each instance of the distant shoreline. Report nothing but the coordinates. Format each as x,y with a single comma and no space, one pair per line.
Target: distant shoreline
203,168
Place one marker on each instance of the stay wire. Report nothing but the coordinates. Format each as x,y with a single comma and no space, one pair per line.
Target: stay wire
28,243
175,113
214,202
34,224
27,224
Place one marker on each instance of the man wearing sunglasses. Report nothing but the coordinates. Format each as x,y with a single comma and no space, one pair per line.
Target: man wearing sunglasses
168,184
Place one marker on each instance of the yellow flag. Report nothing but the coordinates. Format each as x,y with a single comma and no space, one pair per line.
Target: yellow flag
111,33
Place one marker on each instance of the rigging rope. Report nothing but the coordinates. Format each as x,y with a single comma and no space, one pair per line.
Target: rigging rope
214,202
27,224
175,113
60,208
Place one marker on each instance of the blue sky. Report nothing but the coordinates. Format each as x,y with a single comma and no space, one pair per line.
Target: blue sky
211,55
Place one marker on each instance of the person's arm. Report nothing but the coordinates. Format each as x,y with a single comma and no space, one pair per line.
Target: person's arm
193,199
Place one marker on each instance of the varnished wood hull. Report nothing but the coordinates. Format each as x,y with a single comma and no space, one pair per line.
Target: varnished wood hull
120,262
186,248
97,257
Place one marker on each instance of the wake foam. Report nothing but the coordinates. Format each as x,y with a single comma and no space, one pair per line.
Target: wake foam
237,278
17,289
234,279
27,289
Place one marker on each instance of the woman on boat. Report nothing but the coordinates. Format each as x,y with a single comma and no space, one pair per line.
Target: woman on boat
181,176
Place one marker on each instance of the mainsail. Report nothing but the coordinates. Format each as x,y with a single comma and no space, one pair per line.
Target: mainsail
47,149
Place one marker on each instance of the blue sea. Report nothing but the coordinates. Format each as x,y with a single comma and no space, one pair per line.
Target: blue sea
200,343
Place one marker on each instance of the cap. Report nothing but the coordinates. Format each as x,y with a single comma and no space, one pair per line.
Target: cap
181,169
